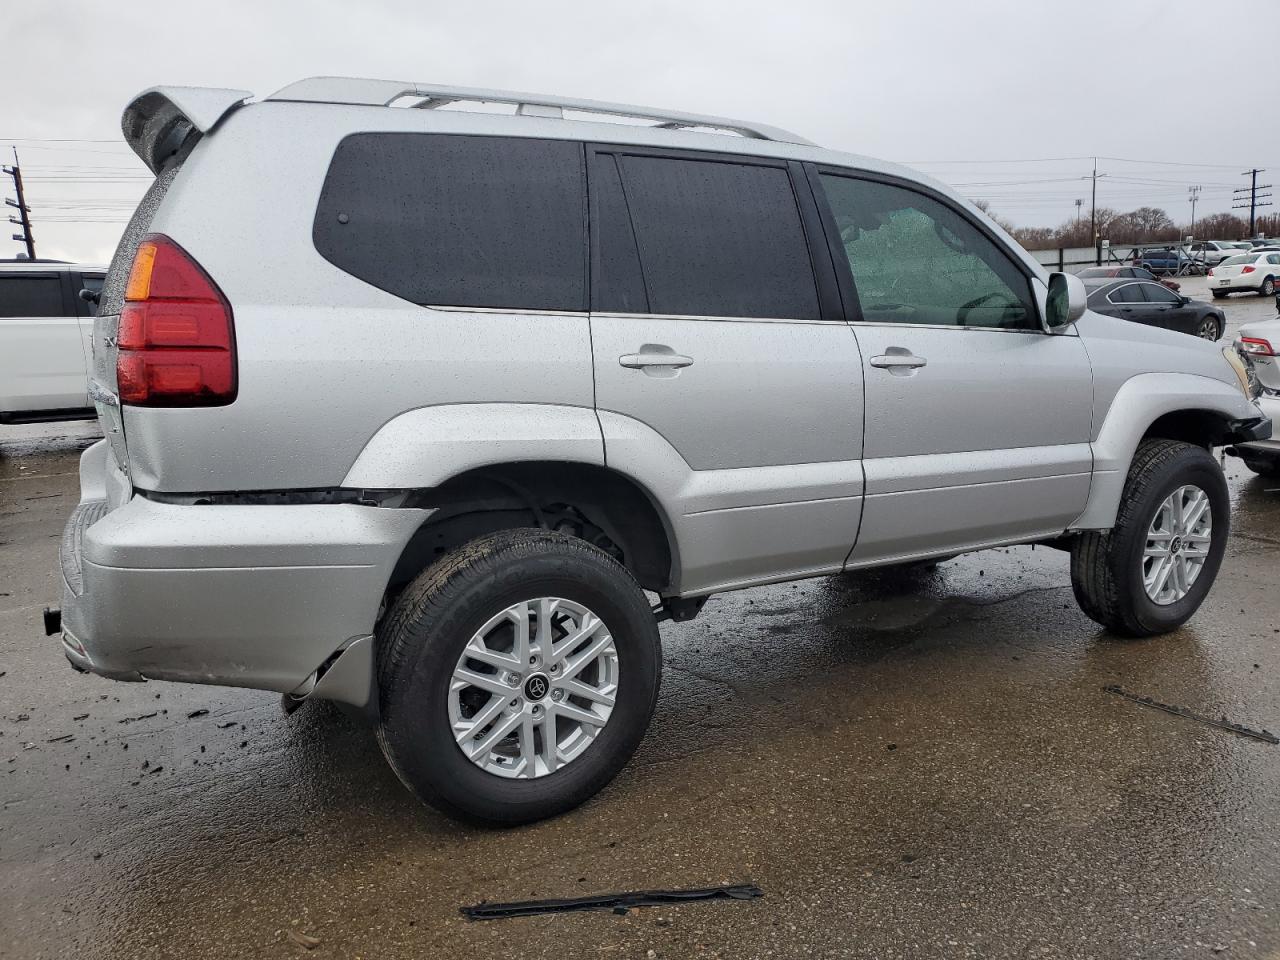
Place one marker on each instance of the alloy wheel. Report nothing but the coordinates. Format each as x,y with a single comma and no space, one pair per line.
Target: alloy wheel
533,688
1178,542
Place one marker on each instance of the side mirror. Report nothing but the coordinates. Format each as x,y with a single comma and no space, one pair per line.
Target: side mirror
1183,301
1066,301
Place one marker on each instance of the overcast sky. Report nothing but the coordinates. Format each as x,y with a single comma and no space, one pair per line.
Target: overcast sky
970,91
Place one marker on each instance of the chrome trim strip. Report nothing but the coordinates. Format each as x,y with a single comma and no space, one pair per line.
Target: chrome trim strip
505,310
712,319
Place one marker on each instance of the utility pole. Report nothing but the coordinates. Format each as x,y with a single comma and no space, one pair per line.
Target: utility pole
1093,212
24,212
1195,195
1254,196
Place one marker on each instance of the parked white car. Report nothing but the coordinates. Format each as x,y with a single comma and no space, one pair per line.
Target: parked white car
1211,252
1261,342
1250,271
46,332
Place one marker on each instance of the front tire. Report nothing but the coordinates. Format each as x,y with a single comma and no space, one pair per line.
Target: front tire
1150,572
517,676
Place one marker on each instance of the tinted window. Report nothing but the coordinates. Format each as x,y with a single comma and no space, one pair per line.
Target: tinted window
719,239
461,221
916,260
1090,273
1158,293
1273,258
28,296
1129,293
1140,272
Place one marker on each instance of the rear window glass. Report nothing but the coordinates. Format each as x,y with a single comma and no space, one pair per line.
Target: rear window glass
31,296
719,239
459,221
1237,261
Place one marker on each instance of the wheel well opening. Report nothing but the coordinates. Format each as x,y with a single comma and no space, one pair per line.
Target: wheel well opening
593,503
1204,428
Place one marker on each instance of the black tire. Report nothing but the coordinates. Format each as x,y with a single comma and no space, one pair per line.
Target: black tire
1106,567
1263,466
1218,294
426,630
1207,325
1268,288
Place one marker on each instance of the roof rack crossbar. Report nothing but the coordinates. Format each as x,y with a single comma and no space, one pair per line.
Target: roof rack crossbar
385,92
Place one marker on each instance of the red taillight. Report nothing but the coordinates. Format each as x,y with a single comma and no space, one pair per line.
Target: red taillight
1257,346
1247,270
1210,273
176,336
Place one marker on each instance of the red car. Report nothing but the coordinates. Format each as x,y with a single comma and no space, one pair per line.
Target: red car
1124,273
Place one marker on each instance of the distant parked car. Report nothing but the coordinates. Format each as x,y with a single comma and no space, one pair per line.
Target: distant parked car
1260,341
46,332
1167,260
1211,252
1241,244
1144,301
1256,271
1096,276
1255,244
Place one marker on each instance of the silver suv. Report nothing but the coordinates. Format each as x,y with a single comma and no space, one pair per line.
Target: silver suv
438,412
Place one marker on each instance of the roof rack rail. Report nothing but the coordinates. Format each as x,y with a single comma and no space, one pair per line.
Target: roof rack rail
384,92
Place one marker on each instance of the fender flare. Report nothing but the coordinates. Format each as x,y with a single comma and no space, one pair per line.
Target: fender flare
1140,401
423,448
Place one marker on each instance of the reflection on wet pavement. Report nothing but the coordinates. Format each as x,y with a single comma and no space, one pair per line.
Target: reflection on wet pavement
909,764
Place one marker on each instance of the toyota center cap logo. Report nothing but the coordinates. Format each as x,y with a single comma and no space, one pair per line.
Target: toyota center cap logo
536,687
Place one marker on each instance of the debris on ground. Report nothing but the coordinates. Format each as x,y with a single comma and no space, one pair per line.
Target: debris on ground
619,903
1265,736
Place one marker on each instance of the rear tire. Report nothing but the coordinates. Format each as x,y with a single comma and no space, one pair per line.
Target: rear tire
1218,294
1268,288
1109,569
444,611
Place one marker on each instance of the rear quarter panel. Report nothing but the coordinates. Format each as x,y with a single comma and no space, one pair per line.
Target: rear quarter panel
324,359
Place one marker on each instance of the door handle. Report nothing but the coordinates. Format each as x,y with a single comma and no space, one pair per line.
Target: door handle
892,360
654,358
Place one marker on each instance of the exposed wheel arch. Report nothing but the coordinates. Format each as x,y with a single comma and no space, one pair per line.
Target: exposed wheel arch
602,506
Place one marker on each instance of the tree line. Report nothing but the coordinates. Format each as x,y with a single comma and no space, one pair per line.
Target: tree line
1144,225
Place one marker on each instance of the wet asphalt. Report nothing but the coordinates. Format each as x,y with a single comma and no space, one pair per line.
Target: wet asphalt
918,765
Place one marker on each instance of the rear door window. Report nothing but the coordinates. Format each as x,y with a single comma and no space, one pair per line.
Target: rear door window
1129,293
453,220
719,238
31,295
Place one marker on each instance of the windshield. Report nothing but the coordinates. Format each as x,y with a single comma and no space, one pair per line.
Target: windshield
1091,272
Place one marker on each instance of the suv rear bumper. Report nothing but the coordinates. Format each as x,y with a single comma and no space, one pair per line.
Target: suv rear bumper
248,596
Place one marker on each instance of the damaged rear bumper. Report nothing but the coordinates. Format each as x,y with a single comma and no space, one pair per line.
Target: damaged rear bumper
275,597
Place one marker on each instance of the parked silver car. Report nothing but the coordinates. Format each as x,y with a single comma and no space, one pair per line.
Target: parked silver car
408,408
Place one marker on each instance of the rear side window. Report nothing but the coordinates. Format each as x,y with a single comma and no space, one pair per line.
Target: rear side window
459,221
719,239
31,296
